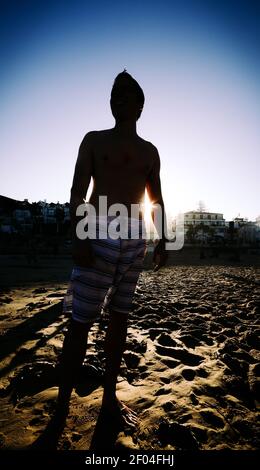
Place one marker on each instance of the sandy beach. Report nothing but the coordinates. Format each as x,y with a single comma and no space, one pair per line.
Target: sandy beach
190,370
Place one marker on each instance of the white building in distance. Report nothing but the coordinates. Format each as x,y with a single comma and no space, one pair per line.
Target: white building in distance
202,225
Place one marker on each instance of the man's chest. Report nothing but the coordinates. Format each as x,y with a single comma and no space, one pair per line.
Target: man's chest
121,158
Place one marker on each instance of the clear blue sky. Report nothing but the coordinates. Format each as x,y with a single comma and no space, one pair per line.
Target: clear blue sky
197,62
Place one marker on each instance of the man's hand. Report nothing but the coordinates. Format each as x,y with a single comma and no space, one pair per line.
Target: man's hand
160,255
82,253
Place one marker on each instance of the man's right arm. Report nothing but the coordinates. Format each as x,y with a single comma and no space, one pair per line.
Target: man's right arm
82,176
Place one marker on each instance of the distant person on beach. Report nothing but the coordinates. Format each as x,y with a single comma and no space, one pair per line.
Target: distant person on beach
122,165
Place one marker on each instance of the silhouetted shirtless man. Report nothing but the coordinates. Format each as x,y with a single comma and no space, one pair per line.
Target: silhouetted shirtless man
122,165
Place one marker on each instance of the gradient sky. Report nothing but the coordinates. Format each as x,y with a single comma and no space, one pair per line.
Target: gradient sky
197,62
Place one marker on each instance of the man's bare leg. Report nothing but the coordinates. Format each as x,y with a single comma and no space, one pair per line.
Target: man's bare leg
73,353
114,348
72,356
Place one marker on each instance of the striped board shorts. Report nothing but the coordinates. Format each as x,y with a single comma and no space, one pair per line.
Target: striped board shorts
110,282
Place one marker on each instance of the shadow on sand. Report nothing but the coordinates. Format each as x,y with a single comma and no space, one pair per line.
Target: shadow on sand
104,436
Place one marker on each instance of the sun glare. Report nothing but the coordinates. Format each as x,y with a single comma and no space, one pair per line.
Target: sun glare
147,208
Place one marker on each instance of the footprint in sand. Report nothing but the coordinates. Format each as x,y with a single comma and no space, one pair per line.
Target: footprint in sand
209,341
143,375
215,327
229,332
221,338
238,367
171,324
244,356
190,341
188,374
199,433
137,346
253,339
179,305
132,359
55,294
165,380
169,406
194,399
177,435
170,362
6,300
230,346
182,355
35,421
165,340
40,290
212,418
239,388
75,437
154,332
162,391
202,373
31,379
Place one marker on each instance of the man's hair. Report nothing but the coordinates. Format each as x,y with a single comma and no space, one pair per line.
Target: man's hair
136,87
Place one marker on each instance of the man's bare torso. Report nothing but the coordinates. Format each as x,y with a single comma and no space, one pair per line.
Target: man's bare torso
120,167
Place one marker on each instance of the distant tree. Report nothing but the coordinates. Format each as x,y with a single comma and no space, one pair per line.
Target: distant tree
211,232
205,229
191,233
37,217
59,217
201,206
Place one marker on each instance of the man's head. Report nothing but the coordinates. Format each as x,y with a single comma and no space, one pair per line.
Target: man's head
127,98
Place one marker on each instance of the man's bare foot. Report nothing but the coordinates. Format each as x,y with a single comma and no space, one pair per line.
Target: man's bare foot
119,412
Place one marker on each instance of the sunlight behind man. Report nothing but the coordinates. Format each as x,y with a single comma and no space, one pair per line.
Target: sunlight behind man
147,209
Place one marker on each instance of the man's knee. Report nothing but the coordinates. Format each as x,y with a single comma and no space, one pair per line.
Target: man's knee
119,318
77,328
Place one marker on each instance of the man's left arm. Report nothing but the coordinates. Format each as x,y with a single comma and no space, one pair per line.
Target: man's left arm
153,187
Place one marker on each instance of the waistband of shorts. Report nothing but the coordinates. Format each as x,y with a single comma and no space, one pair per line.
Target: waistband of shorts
106,219
101,224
